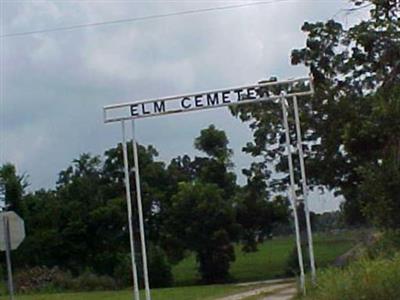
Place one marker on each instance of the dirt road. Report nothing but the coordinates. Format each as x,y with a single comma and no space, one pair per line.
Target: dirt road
269,290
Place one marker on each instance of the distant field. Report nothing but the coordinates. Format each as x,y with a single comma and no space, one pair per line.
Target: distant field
270,260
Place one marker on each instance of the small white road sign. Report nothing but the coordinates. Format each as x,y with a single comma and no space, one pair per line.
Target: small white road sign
16,227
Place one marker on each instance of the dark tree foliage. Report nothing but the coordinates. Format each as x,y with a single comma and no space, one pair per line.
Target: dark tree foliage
256,214
159,267
190,205
217,167
204,222
201,217
155,184
82,225
15,186
88,223
351,68
214,143
355,109
379,191
42,210
180,170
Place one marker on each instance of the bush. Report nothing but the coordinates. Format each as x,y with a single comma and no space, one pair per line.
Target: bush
159,268
160,274
385,245
45,279
365,279
123,270
41,278
292,263
91,282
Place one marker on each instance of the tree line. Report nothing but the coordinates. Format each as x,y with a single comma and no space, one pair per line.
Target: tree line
191,205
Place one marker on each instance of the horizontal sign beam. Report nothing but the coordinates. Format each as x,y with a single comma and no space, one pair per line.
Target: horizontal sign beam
263,91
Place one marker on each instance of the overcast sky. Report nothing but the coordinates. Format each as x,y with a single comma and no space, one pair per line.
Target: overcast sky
54,85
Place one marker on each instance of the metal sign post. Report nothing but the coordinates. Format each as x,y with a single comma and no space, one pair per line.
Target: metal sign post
12,233
305,190
293,197
254,93
7,240
129,206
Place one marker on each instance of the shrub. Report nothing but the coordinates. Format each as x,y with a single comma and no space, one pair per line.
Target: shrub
41,278
365,279
159,268
385,245
292,263
123,270
91,282
160,274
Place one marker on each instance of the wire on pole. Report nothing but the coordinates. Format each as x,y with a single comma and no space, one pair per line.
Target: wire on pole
137,19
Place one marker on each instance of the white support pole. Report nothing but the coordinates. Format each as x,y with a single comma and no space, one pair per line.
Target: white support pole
140,212
305,190
129,205
293,198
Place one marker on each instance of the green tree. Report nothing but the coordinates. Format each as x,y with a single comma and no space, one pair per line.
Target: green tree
15,186
201,215
350,68
42,210
155,185
257,211
82,224
204,222
379,190
216,168
356,72
89,225
214,143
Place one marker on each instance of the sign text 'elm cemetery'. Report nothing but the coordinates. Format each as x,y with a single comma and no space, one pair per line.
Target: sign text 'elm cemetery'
204,100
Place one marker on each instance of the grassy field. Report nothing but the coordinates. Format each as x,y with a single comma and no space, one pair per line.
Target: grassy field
270,261
365,279
267,263
182,293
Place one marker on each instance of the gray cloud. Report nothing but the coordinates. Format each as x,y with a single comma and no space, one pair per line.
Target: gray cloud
55,84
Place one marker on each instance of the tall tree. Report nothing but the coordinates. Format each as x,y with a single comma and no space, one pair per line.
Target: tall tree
80,191
353,68
15,186
204,222
257,211
349,67
216,168
379,190
155,184
214,143
42,211
201,216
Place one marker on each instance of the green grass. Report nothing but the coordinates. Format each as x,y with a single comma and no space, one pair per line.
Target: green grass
269,261
182,293
365,279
